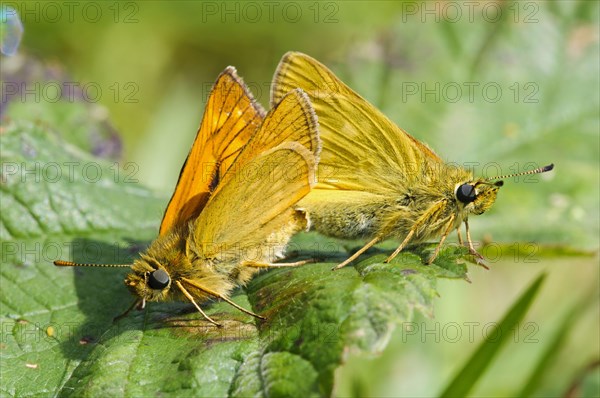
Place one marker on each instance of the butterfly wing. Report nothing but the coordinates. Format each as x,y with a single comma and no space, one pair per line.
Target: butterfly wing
292,120
231,116
253,207
362,149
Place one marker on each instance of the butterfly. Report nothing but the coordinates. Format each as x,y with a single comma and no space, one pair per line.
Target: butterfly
376,181
232,211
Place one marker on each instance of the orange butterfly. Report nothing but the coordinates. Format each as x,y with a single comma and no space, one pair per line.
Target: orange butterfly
232,212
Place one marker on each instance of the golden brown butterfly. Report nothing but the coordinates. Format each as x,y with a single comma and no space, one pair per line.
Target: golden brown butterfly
376,181
232,210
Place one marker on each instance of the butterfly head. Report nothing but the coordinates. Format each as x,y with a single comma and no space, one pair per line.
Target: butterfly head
148,279
478,196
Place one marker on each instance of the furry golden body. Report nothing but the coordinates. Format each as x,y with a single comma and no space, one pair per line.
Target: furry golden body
428,204
207,266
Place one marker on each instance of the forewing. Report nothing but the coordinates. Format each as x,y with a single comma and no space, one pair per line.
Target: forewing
231,117
292,119
362,149
254,210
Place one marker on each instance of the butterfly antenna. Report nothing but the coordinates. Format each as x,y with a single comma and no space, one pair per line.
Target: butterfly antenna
534,171
61,263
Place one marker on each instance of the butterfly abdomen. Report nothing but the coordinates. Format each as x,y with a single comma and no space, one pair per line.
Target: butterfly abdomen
341,220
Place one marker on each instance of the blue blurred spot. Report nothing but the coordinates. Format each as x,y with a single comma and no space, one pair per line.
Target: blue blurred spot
11,30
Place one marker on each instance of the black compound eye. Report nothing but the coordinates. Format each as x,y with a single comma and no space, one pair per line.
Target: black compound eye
465,193
159,279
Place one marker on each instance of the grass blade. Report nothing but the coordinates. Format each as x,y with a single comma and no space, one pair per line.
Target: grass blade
464,381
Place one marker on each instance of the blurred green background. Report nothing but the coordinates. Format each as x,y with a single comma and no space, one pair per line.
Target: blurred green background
504,85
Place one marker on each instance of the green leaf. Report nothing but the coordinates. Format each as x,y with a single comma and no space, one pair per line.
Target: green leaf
58,336
475,367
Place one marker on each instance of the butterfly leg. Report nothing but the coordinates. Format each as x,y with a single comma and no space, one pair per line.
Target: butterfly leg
460,238
128,310
478,257
439,246
189,297
402,246
215,294
258,264
358,253
418,224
